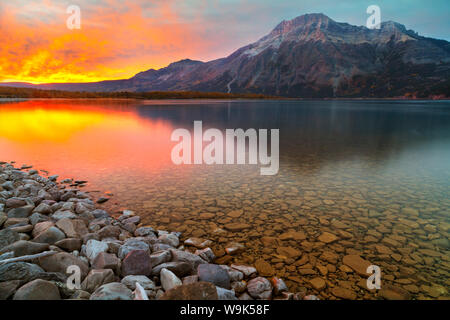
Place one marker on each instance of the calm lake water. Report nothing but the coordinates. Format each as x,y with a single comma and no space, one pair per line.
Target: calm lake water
373,174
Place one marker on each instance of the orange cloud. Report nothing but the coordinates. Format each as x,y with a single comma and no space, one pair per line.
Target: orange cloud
117,40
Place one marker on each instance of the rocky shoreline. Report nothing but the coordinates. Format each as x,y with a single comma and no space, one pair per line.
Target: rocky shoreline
51,230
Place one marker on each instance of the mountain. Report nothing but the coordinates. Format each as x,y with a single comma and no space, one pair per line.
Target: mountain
310,56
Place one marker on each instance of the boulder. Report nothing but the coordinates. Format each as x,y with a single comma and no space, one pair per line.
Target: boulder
169,280
260,288
112,291
73,228
215,274
179,268
94,247
184,256
7,237
19,271
37,290
105,260
132,244
145,282
97,278
59,262
69,244
50,236
193,291
21,212
23,248
8,288
159,257
225,294
137,262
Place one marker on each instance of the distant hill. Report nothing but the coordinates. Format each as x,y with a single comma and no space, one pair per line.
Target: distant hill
311,56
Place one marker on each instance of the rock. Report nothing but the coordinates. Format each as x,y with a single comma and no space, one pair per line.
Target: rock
225,294
22,248
190,279
19,271
145,282
102,200
137,262
245,297
179,268
183,256
3,218
234,274
327,237
69,244
169,280
358,264
8,288
37,290
7,237
109,232
390,292
97,278
15,202
105,260
206,254
238,286
169,239
21,212
278,286
234,248
22,228
194,291
248,271
293,235
94,247
41,227
42,208
264,268
50,236
215,274
144,232
235,227
289,252
198,243
80,295
64,214
343,293
159,257
318,283
112,291
132,244
59,262
35,218
73,228
260,288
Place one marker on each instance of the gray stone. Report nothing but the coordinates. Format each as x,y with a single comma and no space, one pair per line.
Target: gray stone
169,280
179,268
94,247
225,294
97,278
184,256
159,257
21,212
50,236
8,288
215,274
7,237
60,261
35,218
112,291
19,271
145,282
132,244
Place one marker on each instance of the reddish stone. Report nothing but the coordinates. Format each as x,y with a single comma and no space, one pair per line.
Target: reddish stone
137,262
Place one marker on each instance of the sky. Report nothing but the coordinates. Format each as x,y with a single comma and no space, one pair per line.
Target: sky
119,38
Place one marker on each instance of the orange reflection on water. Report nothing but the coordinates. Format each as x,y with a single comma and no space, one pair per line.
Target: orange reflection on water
68,137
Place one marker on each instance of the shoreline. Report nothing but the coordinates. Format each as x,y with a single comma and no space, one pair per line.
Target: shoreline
47,226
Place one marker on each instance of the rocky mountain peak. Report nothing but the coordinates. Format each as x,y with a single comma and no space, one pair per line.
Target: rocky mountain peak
307,20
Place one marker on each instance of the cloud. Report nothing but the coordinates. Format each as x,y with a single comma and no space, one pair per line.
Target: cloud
119,38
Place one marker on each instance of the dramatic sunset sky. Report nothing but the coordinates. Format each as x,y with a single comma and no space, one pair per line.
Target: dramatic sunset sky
119,38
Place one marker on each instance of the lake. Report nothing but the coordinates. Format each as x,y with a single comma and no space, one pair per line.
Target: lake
367,178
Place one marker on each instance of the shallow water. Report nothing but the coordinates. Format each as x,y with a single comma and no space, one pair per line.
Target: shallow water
375,174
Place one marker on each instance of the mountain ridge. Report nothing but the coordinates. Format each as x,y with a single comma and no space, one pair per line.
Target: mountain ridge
310,56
